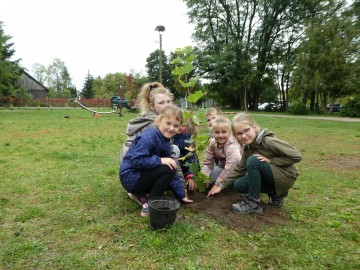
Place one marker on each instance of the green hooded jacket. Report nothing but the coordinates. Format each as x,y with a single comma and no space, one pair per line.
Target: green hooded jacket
282,158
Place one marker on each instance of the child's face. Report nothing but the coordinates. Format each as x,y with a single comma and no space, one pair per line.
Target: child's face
244,133
169,126
160,102
221,134
210,118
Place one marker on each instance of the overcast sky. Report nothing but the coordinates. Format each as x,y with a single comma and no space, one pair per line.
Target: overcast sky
102,36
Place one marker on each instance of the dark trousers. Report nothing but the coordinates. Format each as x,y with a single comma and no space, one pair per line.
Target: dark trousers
258,179
155,182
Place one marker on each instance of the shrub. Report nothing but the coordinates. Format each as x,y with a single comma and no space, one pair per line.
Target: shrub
298,108
352,108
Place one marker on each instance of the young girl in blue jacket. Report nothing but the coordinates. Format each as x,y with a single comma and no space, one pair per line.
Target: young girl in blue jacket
147,167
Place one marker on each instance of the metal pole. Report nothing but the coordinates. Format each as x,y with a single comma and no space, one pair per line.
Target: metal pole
160,58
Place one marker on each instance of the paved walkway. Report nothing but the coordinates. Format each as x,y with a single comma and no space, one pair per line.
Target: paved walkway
342,119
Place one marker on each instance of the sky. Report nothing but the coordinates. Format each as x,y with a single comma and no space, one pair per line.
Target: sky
99,36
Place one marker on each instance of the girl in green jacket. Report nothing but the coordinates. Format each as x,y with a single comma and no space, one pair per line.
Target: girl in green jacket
267,166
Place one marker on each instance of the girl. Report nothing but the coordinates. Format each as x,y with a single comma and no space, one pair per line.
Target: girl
147,167
267,166
152,98
223,148
187,157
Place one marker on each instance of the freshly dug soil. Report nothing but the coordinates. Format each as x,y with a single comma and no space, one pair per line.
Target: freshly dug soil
218,208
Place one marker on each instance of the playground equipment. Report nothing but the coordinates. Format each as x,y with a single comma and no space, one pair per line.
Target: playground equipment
95,113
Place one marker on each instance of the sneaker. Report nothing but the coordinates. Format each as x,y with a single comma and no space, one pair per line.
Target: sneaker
277,200
247,206
138,200
145,210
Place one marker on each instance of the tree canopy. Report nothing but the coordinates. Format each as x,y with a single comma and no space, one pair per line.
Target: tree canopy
9,69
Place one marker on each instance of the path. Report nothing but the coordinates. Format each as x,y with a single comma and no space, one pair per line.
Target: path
342,119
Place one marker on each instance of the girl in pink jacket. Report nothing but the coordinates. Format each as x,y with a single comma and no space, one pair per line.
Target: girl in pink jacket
224,148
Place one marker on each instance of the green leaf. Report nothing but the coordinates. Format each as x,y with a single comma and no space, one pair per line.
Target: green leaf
195,96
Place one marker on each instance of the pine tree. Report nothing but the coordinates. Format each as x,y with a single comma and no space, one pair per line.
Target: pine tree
88,89
9,70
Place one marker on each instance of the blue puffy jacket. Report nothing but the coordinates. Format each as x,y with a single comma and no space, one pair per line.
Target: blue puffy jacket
144,154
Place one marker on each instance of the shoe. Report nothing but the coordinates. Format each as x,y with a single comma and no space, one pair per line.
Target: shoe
139,200
247,206
277,200
145,210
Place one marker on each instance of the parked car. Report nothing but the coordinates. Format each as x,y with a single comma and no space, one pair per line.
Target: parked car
269,107
116,101
336,107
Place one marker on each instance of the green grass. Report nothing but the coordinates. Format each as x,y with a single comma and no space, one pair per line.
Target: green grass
62,207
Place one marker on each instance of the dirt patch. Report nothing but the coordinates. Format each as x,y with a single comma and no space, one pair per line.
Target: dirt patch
218,208
341,162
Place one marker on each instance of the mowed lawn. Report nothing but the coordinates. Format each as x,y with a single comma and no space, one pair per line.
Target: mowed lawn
62,207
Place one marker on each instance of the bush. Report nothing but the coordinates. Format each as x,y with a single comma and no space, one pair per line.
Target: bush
352,108
298,108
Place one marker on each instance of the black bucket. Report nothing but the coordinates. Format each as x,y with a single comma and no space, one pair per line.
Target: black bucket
162,211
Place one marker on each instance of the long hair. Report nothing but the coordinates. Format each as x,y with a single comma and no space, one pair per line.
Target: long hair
148,92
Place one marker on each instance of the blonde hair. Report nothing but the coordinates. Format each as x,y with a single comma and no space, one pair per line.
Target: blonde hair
222,121
211,110
147,95
242,118
169,111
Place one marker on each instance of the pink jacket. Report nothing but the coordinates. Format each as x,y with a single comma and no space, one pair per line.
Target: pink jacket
228,156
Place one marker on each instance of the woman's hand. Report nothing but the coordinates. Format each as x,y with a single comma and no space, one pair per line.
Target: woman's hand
214,190
192,185
169,162
261,158
187,200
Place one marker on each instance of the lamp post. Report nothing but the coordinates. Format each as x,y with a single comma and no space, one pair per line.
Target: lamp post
160,28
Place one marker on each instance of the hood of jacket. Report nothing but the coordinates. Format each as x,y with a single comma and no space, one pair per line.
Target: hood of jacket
262,134
137,124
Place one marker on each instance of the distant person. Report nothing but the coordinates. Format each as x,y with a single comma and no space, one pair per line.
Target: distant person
224,149
147,167
267,166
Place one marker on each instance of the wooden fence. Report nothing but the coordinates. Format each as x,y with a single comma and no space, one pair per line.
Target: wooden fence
54,102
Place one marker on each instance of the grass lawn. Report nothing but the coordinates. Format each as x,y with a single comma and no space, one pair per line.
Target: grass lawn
62,207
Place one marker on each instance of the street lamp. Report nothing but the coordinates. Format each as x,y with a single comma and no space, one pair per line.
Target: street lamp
160,28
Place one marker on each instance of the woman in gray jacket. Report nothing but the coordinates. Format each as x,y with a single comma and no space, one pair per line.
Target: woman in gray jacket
267,166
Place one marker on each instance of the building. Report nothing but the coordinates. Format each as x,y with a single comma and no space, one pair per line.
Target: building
35,88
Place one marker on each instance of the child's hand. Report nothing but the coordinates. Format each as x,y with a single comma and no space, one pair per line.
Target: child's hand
187,200
169,162
192,185
214,190
261,158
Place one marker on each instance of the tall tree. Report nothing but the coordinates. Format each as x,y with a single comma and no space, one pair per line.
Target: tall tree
328,61
39,72
238,40
88,89
153,69
58,75
9,69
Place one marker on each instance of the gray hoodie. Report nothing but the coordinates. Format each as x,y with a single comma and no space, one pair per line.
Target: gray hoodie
135,127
